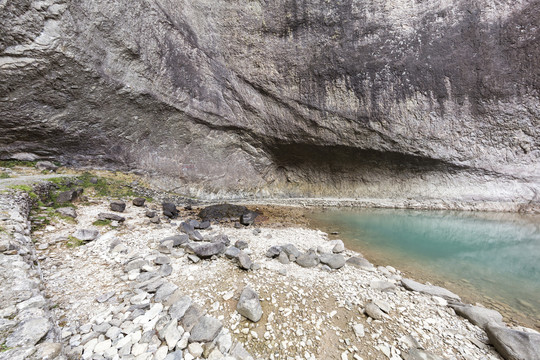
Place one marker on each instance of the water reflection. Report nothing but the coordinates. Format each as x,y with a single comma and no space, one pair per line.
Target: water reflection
497,253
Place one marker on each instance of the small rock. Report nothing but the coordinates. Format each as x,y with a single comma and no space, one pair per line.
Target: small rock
165,291
46,165
193,258
195,349
162,259
249,305
177,355
112,217
290,249
359,330
241,244
206,329
68,196
179,308
139,201
244,261
419,354
67,211
248,218
374,312
186,228
308,259
104,297
118,205
177,240
86,234
222,238
382,285
232,252
339,246
170,210
206,250
203,225
149,213
334,261
274,251
359,263
135,264
155,220
283,258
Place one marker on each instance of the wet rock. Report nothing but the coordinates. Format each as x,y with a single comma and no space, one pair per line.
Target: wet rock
170,210
206,250
477,315
206,329
308,259
112,217
334,261
249,305
28,332
244,261
274,251
67,211
513,344
139,202
86,234
359,262
117,205
429,289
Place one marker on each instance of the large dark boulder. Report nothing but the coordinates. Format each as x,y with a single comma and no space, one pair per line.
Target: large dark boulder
223,211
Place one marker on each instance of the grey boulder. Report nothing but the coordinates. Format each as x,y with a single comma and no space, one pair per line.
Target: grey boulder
429,289
290,249
513,344
249,305
206,330
308,259
86,234
334,261
244,261
232,252
179,308
118,206
274,251
67,211
139,201
477,315
29,332
359,262
206,250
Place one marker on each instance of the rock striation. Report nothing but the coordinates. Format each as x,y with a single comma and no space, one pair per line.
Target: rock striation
369,99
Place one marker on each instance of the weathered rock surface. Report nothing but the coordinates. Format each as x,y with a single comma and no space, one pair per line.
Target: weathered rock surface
86,234
347,94
513,344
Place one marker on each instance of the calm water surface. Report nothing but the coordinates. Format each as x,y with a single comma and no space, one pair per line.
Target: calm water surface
492,258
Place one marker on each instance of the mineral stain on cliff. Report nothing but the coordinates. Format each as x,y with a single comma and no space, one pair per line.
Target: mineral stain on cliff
344,98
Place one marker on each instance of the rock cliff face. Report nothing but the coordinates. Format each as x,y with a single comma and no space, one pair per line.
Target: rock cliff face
380,98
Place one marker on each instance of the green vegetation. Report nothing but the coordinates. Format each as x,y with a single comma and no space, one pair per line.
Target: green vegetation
73,242
101,222
2,230
4,175
3,347
13,163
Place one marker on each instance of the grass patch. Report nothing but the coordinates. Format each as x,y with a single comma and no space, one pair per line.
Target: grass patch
73,242
4,175
2,230
13,163
4,347
102,222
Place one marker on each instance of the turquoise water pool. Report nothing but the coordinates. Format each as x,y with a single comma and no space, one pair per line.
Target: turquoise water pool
493,258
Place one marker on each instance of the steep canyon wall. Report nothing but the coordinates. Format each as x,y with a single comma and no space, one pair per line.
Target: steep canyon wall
403,99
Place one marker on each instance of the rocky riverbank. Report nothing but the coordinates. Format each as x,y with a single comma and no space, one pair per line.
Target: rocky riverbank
128,278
